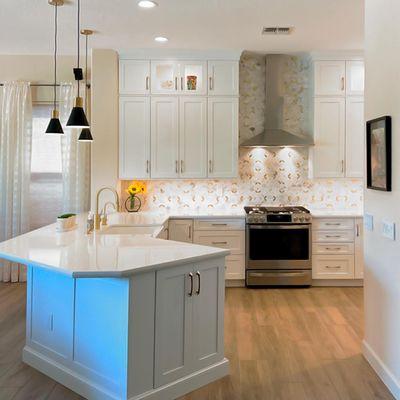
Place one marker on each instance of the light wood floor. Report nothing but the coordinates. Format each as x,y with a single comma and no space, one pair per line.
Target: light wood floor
283,344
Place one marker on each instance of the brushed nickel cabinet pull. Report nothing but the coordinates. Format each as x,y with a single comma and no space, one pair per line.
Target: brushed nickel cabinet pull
219,242
358,230
176,83
147,83
181,166
211,83
181,82
332,236
191,284
176,166
332,266
189,232
342,83
147,166
219,224
342,166
210,166
332,248
332,223
199,282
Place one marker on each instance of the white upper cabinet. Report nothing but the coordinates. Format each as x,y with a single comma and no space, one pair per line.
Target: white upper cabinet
223,78
329,78
164,137
193,77
355,137
354,78
134,137
223,137
164,77
134,77
193,137
329,131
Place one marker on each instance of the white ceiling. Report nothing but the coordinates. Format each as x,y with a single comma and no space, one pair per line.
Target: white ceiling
27,25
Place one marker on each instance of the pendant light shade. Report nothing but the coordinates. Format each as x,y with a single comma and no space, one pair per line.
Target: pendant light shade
54,126
77,118
86,135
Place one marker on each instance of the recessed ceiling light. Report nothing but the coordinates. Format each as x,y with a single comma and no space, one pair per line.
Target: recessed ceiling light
161,39
147,4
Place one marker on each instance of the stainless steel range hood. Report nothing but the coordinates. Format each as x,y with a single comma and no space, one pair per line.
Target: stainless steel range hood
286,106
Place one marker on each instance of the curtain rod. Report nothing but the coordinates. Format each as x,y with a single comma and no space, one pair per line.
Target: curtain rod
46,84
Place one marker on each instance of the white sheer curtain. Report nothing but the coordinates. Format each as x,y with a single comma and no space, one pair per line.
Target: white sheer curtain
75,158
15,165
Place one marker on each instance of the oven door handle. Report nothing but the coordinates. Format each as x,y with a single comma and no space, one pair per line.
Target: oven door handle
276,274
278,226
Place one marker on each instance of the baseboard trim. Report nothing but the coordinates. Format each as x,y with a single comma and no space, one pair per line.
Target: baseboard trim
88,389
338,282
188,383
382,370
235,283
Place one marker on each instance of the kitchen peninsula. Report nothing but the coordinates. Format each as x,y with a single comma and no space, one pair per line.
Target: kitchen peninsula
116,316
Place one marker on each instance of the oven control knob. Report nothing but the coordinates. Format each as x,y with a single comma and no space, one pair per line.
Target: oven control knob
295,219
301,219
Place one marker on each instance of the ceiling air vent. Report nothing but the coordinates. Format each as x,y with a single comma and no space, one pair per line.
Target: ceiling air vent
277,30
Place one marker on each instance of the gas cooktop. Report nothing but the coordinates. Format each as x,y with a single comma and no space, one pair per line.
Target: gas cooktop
287,214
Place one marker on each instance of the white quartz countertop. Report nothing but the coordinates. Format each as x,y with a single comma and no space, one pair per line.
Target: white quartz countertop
98,255
324,213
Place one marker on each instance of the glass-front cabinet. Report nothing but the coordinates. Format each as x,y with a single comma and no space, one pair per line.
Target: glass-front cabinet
184,77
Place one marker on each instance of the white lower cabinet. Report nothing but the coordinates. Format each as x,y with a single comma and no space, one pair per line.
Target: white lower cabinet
189,319
180,230
337,248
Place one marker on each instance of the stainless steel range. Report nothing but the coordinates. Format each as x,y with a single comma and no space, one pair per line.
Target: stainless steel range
278,246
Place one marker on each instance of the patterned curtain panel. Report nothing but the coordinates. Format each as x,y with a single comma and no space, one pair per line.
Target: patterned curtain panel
15,166
75,158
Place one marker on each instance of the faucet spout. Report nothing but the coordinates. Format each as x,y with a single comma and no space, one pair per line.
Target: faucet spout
116,205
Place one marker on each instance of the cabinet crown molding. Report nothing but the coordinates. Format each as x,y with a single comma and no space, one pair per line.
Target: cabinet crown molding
182,54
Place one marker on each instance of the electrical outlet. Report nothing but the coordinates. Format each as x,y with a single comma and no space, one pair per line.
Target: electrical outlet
388,230
369,222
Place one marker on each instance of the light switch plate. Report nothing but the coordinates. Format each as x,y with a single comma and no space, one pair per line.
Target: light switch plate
388,230
369,222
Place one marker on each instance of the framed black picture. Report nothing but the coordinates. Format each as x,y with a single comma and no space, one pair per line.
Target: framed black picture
379,154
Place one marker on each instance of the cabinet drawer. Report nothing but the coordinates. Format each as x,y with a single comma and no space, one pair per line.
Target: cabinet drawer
333,223
333,267
333,248
333,236
230,240
219,224
234,267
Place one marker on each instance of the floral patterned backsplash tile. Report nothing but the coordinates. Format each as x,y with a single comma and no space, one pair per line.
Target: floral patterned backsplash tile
273,177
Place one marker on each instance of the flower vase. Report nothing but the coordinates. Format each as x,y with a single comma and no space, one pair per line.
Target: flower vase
133,204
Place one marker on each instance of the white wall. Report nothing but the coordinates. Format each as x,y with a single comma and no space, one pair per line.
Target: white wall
104,124
382,264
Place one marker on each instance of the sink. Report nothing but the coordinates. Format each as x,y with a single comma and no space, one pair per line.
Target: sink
130,230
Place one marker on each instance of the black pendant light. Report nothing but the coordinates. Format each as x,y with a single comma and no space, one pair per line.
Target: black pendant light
54,126
77,118
86,135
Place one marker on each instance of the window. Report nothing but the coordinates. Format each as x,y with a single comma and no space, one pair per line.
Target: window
46,170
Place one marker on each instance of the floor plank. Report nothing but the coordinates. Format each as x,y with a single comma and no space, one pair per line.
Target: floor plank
283,344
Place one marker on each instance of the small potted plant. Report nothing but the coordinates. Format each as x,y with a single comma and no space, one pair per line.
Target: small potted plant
66,222
133,202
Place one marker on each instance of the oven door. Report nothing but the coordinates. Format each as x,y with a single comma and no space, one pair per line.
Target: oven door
278,246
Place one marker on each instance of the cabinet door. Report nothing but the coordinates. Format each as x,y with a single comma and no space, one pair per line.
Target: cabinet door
52,312
359,250
164,137
134,77
354,78
193,77
173,325
208,313
329,131
222,137
329,78
355,137
333,267
181,230
134,138
223,78
193,137
164,77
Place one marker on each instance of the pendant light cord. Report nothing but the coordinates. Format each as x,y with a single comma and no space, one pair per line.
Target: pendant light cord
55,55
79,34
86,73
